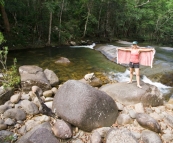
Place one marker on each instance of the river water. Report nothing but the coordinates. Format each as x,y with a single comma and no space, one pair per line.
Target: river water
83,61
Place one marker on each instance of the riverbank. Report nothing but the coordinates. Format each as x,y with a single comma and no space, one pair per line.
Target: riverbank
141,113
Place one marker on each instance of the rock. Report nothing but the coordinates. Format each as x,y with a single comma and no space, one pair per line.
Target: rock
95,82
89,77
124,119
169,120
103,131
62,60
96,108
132,113
42,118
95,137
139,108
148,122
33,75
167,137
3,108
25,138
156,116
72,43
3,127
62,129
30,124
5,94
22,130
17,114
42,107
48,93
52,77
120,136
136,134
54,90
15,98
150,137
49,104
120,106
4,135
163,125
43,135
25,97
129,94
29,107
9,122
48,99
169,106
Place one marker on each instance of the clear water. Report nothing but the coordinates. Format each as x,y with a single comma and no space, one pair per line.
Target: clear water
83,61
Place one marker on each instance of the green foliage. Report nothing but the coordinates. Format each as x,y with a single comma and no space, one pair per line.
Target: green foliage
149,20
10,77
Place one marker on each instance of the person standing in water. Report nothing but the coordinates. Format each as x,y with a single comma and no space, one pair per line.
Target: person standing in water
134,61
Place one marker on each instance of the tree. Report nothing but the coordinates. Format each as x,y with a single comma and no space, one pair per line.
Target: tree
5,17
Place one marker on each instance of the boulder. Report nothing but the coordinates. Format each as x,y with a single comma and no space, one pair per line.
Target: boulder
52,77
17,114
40,134
62,60
148,122
33,75
84,106
62,129
150,137
129,94
5,94
120,136
95,82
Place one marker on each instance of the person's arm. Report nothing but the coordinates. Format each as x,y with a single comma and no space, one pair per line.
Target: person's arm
124,49
146,50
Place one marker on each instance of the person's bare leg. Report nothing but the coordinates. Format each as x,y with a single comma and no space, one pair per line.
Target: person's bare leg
137,77
131,75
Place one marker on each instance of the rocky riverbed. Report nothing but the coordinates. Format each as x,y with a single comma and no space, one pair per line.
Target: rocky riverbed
83,112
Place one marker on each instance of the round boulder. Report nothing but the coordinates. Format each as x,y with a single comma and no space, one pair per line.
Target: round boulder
84,106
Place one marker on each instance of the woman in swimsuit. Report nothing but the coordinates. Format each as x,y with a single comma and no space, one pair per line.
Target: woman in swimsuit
134,61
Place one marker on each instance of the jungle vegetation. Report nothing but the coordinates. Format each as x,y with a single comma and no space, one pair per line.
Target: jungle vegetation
45,22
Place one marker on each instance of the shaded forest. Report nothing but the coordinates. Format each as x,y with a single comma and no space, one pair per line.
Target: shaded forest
25,23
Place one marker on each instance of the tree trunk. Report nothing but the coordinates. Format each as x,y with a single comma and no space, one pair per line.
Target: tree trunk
60,19
86,23
5,19
50,29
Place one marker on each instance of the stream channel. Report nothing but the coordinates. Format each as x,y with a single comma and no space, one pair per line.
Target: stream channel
85,60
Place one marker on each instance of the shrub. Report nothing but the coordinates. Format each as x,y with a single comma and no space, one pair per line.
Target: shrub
10,77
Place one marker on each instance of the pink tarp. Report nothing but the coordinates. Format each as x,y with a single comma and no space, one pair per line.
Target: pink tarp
145,58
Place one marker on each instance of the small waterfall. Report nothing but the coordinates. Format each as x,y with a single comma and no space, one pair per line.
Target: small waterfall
124,77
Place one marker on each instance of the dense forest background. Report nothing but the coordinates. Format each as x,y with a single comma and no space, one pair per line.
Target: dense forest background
44,22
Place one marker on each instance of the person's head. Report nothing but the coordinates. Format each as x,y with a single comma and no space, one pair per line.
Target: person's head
134,44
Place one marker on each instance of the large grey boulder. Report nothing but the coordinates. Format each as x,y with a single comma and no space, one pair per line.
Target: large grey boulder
84,106
33,75
129,94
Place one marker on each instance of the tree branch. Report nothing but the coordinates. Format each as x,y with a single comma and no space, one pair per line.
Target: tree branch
143,3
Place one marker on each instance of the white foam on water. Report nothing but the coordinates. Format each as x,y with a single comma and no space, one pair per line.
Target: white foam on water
124,77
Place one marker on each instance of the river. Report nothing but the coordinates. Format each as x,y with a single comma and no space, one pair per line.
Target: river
83,61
